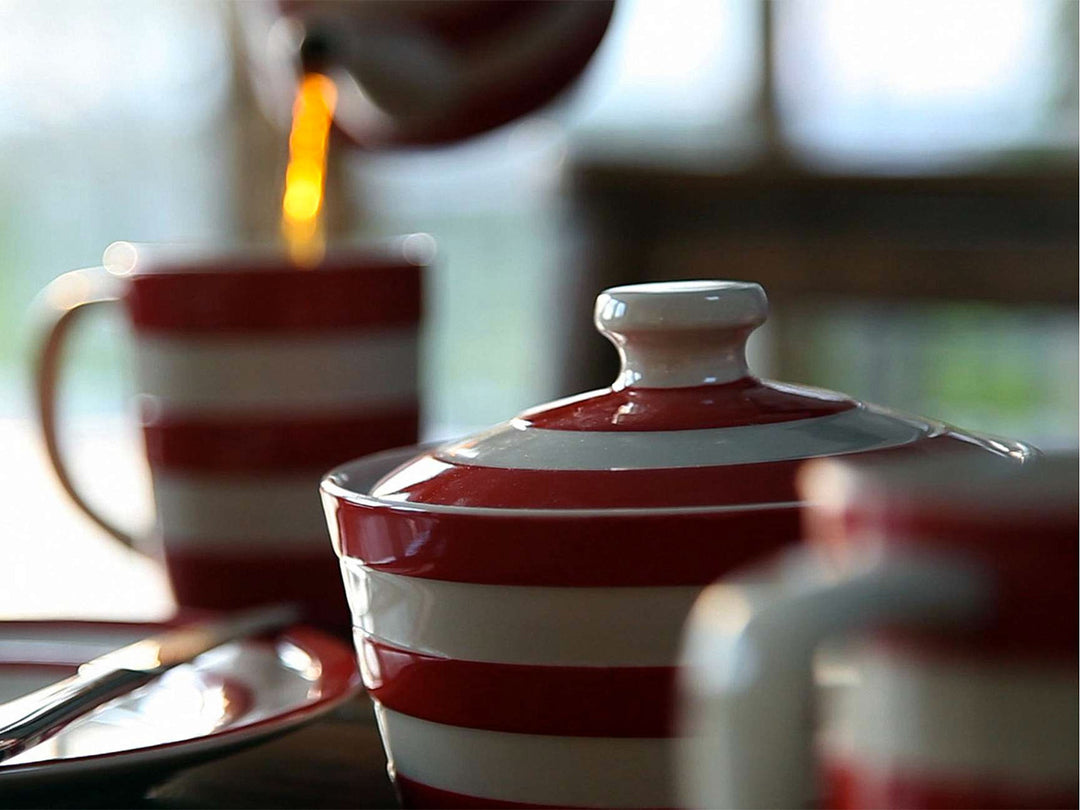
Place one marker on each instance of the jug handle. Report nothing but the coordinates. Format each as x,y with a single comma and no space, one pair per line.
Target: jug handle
747,714
58,308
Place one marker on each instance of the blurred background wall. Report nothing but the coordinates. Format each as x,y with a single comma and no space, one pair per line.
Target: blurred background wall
902,176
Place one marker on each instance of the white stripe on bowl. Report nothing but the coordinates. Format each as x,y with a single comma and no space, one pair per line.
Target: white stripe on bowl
241,511
534,768
304,374
514,445
958,719
518,624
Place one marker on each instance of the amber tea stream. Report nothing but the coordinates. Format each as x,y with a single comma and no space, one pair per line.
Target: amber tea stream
302,225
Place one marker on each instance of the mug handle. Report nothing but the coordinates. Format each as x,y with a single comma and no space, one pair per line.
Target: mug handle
60,305
747,679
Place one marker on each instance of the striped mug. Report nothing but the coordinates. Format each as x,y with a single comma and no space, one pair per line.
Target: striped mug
953,586
254,375
518,595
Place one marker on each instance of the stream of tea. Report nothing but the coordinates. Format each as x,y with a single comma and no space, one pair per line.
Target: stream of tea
302,225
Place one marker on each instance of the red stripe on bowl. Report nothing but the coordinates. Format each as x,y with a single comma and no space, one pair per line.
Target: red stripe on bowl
561,700
230,580
255,443
554,549
381,292
417,794
850,785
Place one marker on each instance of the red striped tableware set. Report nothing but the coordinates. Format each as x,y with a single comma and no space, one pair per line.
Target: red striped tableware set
518,596
254,376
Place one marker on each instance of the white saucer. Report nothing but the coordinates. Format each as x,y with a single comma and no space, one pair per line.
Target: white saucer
230,697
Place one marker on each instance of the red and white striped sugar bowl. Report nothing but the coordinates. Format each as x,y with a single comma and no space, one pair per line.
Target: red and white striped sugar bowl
518,595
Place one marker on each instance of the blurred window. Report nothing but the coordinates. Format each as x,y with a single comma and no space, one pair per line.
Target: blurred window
112,126
673,81
1010,371
892,85
905,85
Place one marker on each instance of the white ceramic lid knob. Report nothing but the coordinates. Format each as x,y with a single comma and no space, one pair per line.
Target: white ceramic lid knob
675,334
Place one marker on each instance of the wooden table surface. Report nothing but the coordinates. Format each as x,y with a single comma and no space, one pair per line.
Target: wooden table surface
337,761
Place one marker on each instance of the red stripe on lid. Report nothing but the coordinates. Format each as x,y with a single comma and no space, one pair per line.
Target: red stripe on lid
766,482
748,401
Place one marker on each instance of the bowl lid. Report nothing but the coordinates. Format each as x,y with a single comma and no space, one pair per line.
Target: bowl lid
684,425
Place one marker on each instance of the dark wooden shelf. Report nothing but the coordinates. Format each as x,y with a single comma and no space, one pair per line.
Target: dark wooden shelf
989,237
1000,237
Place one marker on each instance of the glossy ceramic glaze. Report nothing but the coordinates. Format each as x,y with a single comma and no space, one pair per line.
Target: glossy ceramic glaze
234,696
957,582
518,595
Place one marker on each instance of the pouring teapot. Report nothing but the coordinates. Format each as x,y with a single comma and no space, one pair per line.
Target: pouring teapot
423,73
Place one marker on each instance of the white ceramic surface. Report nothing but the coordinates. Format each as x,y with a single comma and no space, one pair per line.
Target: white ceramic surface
473,622
249,513
198,375
513,446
